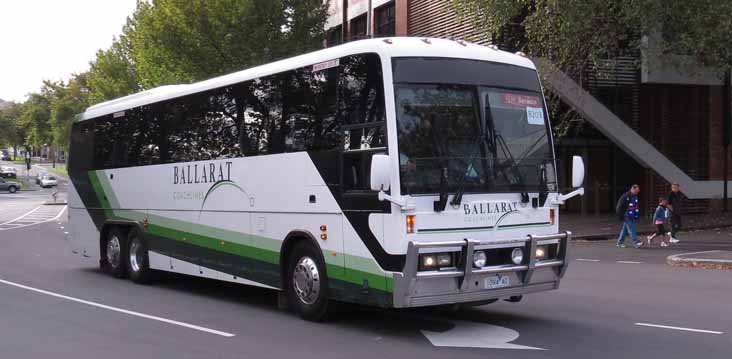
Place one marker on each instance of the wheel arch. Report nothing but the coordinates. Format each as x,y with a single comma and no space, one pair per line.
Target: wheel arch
291,240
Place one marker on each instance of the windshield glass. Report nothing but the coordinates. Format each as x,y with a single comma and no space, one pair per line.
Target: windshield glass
480,138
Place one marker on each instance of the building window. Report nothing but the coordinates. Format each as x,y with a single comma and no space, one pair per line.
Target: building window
334,36
358,27
385,21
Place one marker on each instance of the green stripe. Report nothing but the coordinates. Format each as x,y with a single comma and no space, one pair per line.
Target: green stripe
262,249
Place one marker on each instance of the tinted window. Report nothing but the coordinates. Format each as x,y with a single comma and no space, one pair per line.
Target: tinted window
464,72
297,110
361,93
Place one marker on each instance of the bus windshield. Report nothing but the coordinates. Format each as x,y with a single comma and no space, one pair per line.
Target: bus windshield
473,136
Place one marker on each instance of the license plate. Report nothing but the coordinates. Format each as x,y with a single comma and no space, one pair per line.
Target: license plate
498,281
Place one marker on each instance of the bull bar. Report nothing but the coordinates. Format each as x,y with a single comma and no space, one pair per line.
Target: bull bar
406,281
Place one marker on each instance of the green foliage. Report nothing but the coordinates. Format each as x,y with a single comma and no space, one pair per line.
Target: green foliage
166,42
181,41
575,34
112,74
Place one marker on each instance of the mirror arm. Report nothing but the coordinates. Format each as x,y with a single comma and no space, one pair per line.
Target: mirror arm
563,197
401,202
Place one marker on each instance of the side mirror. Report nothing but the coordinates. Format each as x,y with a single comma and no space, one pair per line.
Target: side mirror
380,172
578,171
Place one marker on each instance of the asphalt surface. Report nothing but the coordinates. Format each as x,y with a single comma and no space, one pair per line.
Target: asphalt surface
593,314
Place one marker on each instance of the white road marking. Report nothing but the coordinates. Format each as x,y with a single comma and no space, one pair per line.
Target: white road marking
587,260
476,335
119,310
21,221
27,213
629,262
679,328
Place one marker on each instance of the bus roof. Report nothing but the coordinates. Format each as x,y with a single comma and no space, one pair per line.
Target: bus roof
386,47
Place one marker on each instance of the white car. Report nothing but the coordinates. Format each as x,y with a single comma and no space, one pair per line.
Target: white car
8,172
48,181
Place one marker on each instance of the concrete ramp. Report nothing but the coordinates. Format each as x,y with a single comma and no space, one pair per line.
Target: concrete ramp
625,137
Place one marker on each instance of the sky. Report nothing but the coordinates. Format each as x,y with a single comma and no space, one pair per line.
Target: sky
51,39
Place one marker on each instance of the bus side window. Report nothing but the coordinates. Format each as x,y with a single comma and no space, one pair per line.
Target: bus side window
361,108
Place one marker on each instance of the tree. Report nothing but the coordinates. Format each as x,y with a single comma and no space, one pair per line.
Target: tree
181,41
11,133
112,74
574,34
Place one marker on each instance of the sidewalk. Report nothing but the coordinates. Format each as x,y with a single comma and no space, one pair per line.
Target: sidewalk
607,226
706,239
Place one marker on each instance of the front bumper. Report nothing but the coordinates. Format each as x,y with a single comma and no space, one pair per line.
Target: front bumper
466,284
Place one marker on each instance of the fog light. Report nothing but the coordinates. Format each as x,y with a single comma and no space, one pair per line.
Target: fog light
517,256
540,253
479,259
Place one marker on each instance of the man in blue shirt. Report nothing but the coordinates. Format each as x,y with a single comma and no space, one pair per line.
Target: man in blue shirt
628,212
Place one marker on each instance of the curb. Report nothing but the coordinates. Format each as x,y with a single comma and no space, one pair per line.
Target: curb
679,260
595,237
55,203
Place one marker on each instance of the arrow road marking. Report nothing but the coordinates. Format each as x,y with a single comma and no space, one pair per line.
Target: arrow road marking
476,335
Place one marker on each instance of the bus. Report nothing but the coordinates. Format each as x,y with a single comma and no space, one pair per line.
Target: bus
394,172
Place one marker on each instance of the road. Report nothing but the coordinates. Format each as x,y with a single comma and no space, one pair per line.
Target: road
56,304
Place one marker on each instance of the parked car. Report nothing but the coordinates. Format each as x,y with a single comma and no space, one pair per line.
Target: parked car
39,176
7,172
4,157
10,186
48,181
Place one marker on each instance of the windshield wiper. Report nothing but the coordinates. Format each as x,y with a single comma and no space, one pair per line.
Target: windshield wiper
458,198
514,169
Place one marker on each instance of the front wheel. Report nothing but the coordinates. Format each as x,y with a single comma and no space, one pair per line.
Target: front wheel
12,189
307,284
138,264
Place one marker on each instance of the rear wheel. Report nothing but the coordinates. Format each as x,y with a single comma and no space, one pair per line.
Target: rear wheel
12,189
138,264
307,284
114,251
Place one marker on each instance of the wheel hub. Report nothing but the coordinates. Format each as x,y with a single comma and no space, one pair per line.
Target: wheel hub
306,280
134,255
113,251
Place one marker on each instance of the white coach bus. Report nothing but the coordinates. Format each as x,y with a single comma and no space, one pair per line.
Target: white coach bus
398,172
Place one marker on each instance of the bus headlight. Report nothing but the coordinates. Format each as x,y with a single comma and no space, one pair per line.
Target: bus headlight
434,261
517,256
541,253
479,259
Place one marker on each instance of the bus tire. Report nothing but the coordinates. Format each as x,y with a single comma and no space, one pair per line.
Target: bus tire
138,263
114,250
307,282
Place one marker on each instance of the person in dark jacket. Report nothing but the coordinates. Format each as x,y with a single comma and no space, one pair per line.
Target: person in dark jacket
674,206
628,212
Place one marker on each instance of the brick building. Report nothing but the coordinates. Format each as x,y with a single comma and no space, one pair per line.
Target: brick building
681,115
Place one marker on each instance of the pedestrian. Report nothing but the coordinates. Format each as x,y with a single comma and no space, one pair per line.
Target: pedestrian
674,205
660,217
628,213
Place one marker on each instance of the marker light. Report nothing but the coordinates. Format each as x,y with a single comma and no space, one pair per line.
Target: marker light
551,216
517,256
540,253
479,259
324,236
411,220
